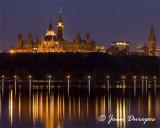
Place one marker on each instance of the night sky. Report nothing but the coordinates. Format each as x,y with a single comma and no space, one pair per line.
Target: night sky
106,21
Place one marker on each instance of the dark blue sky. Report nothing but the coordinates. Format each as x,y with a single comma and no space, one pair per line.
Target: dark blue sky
106,21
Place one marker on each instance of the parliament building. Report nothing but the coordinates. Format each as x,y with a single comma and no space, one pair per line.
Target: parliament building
54,42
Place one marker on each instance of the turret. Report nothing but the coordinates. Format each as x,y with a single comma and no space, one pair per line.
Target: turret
87,38
36,38
20,40
29,38
152,36
78,37
60,27
152,42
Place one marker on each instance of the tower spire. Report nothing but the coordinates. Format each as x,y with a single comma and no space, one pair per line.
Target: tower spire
60,15
152,42
152,36
60,27
151,28
60,10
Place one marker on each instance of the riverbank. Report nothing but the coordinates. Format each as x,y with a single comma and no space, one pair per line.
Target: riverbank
77,65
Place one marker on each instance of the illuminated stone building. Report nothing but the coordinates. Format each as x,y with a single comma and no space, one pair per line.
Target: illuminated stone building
55,42
142,50
119,47
152,43
27,46
78,45
151,49
101,48
157,52
50,42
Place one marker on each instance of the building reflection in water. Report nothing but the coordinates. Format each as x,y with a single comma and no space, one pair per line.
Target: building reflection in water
146,86
124,85
2,87
30,91
108,85
0,106
96,109
142,87
109,104
89,86
151,108
79,108
19,108
68,86
109,98
15,86
135,87
103,105
11,107
122,107
155,87
49,86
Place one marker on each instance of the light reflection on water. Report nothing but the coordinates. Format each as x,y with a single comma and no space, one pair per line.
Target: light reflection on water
37,105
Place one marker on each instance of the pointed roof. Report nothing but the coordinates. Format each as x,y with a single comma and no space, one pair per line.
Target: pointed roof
60,16
152,36
50,27
50,31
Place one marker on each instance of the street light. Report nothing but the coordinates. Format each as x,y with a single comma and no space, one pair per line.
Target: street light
68,76
142,77
135,77
108,76
123,77
15,76
30,76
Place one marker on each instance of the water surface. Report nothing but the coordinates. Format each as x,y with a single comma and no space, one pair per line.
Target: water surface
39,104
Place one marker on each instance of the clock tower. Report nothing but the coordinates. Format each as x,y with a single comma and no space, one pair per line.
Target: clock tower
60,27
